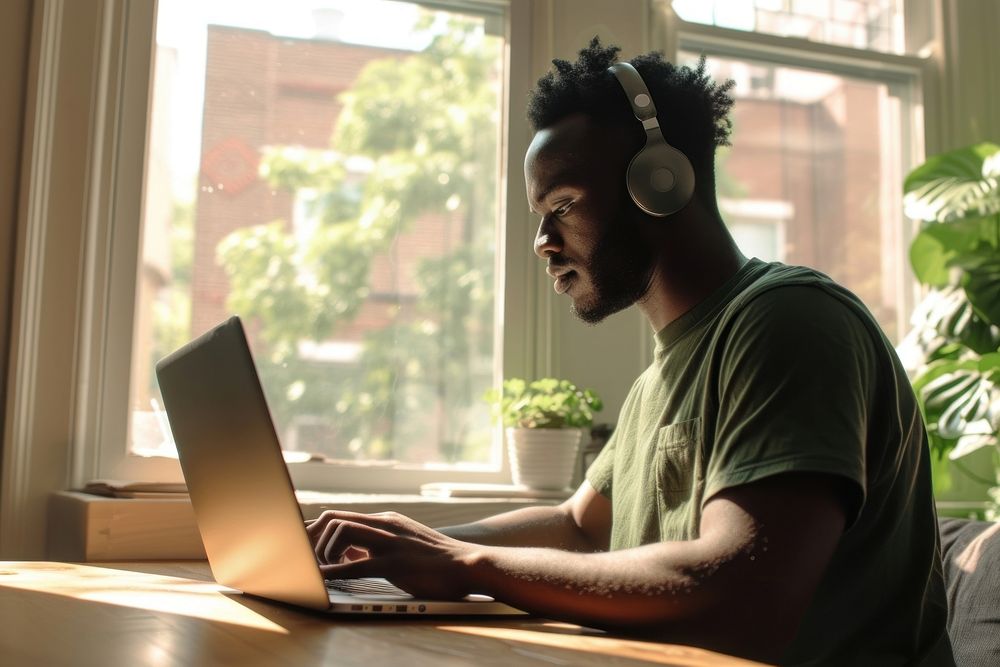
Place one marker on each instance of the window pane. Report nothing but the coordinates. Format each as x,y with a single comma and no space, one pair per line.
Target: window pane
814,176
876,25
328,170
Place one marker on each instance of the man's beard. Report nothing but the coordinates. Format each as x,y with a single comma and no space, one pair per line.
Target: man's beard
620,274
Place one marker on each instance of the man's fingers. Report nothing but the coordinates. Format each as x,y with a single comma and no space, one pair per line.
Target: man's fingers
339,536
356,569
387,520
315,527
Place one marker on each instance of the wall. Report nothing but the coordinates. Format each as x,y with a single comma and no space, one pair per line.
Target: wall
15,19
56,198
965,104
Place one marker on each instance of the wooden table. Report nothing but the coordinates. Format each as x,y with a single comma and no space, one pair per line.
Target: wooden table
130,614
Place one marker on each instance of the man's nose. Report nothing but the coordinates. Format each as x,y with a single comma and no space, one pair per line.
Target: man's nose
547,240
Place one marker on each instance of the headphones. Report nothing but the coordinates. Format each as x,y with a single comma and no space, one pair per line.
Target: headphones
660,178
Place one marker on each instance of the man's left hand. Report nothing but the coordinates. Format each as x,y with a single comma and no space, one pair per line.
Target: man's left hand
418,559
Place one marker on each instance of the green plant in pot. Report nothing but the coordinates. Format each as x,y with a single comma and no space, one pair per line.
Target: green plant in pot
953,351
544,423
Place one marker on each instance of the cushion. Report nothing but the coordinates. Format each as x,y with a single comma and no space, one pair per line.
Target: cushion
970,553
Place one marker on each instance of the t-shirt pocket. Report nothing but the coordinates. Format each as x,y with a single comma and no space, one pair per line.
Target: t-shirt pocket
677,476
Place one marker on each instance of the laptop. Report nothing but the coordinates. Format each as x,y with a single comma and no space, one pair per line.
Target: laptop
242,494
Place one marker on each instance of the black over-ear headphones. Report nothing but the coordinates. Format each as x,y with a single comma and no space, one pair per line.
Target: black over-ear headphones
660,178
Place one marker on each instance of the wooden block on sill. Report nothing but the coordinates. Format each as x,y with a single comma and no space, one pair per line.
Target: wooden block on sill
84,527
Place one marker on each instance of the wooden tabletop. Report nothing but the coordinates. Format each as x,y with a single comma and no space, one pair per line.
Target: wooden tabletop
166,614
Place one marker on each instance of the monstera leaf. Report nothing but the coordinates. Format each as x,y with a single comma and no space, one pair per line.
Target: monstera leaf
954,185
948,325
961,403
938,249
981,280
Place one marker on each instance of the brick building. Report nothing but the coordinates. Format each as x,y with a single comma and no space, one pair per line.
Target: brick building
786,152
263,90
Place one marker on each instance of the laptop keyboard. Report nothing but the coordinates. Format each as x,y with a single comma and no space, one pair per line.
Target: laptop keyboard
364,587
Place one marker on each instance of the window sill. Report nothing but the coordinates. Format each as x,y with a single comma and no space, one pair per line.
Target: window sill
83,528
964,509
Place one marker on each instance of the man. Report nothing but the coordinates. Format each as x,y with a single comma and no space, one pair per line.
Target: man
766,492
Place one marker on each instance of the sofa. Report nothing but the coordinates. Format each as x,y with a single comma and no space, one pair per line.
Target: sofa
970,553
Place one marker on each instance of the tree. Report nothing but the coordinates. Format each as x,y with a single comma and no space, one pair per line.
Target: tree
424,126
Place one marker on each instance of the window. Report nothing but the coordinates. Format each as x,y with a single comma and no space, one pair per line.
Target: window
338,185
822,137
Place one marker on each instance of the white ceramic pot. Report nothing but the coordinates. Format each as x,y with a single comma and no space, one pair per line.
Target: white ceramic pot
543,458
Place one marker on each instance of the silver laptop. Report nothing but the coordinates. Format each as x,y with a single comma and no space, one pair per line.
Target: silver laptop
242,494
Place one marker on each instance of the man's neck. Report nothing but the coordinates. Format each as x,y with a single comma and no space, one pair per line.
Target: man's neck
697,257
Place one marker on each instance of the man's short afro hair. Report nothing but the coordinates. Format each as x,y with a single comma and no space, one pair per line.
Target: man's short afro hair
693,110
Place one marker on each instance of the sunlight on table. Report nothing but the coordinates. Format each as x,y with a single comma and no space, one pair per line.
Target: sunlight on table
665,654
138,590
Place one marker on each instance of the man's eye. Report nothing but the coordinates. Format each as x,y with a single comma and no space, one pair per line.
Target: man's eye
564,209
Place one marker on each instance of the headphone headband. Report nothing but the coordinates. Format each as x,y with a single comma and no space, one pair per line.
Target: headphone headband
660,179
635,90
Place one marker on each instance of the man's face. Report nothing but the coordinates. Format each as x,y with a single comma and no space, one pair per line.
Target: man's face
589,232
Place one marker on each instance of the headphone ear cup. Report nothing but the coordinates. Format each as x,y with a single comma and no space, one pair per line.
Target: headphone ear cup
660,179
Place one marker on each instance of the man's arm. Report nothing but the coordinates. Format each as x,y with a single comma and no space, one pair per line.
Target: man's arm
582,523
742,586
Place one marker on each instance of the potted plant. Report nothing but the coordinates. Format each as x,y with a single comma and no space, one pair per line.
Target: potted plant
953,350
544,422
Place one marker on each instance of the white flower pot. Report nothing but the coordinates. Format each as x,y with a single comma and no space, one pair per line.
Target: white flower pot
543,458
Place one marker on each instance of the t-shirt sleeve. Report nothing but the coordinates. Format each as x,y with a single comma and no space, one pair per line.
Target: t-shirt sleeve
601,471
794,381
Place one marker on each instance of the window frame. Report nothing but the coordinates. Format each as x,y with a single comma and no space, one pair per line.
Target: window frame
106,410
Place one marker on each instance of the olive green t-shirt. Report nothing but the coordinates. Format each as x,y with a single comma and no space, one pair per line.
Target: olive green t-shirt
779,371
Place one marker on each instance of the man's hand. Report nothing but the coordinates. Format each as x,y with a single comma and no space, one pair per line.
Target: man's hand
418,559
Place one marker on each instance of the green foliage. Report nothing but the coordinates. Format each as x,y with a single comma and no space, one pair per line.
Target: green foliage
957,326
416,136
545,403
424,360
956,185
